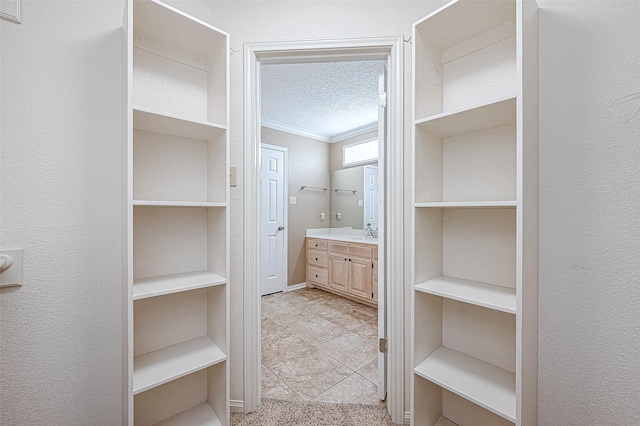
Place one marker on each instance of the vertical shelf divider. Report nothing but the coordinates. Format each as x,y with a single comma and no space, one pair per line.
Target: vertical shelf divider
177,209
474,215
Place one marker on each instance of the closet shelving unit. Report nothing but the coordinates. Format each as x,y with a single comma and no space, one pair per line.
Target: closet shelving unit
178,218
475,214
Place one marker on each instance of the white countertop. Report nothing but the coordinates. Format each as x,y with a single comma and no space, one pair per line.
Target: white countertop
347,235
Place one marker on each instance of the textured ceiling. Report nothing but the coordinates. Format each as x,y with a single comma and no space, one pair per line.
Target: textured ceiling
323,99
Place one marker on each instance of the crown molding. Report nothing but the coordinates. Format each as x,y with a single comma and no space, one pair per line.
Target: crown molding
294,130
276,125
355,132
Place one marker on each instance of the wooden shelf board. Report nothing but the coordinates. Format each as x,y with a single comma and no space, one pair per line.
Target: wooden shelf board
483,384
168,25
152,203
467,204
172,125
461,20
444,422
164,365
472,292
200,415
169,284
496,113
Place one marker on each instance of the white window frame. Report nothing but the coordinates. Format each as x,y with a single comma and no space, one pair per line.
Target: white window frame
358,163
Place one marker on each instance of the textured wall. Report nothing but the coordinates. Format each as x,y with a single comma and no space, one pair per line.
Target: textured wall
589,298
61,360
257,21
308,165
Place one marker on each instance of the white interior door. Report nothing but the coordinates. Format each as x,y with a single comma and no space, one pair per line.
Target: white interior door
273,235
371,199
382,299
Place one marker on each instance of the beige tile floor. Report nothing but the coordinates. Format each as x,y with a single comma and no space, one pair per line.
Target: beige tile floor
317,346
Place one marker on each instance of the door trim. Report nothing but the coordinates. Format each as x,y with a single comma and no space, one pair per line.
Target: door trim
390,49
285,213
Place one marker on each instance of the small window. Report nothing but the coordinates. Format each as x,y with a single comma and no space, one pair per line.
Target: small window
360,153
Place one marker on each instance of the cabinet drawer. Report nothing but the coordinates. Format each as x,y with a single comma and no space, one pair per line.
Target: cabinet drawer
318,276
318,258
339,248
361,251
317,244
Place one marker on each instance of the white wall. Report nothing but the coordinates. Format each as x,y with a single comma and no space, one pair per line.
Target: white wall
61,174
61,182
589,298
257,21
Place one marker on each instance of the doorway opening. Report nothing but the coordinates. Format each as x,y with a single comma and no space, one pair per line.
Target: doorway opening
390,227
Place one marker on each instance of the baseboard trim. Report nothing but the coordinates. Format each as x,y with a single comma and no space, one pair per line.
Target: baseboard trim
236,406
296,286
407,417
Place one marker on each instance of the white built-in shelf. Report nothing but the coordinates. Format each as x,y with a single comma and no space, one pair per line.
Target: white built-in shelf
167,124
496,113
460,21
160,286
164,365
444,422
200,415
473,292
467,204
483,384
177,203
167,25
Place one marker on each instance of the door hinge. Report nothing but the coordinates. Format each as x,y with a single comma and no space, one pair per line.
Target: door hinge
382,345
382,100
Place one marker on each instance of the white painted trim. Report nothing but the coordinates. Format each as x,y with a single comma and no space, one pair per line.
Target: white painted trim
10,13
236,406
294,130
394,243
296,286
127,225
276,125
251,302
285,209
389,48
355,132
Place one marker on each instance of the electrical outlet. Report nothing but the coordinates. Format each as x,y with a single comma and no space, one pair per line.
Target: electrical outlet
360,203
323,216
292,199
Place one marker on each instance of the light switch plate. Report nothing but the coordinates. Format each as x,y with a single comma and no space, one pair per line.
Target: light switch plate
233,176
360,203
12,277
323,216
292,199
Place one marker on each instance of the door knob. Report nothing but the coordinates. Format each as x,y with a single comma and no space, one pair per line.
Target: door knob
280,228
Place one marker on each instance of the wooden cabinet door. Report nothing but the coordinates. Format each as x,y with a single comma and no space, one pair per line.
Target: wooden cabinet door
339,271
361,274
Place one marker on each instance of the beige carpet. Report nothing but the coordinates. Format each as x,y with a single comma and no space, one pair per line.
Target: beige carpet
279,413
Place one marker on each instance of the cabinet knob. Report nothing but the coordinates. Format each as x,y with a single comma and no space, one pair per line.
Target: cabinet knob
316,275
349,260
345,258
316,245
316,258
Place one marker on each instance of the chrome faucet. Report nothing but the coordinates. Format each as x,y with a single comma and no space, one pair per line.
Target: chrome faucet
369,231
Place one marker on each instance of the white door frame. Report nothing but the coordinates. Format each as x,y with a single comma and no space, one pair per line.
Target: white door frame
390,49
285,213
